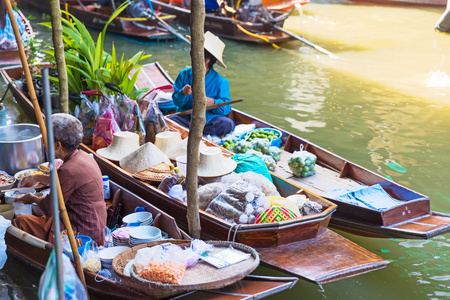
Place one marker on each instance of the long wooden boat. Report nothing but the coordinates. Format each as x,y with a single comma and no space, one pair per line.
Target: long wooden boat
227,27
411,219
11,57
282,4
303,246
94,16
35,252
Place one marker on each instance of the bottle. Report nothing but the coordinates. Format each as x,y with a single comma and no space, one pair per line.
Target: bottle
106,191
178,175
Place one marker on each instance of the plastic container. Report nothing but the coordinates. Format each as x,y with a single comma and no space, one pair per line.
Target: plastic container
7,211
19,208
106,190
276,142
182,164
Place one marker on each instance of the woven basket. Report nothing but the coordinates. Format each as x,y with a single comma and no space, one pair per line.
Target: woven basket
202,276
147,175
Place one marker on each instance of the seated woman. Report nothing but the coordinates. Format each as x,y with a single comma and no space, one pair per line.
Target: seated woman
217,90
7,37
81,185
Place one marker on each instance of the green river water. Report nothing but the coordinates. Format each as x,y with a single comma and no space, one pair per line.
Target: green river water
385,104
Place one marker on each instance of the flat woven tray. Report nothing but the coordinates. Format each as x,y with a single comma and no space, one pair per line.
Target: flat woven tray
198,277
148,175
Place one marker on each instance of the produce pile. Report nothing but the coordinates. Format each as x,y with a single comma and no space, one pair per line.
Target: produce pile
302,163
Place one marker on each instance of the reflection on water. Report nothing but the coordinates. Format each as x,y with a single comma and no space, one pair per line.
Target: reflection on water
383,105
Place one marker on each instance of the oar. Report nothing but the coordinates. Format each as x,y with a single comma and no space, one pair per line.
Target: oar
303,40
171,29
188,112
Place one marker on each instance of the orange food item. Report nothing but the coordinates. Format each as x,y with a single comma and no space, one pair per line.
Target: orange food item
166,272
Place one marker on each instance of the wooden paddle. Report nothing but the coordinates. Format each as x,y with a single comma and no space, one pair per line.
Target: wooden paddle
188,112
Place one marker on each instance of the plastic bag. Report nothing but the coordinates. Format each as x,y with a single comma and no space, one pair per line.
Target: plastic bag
275,152
87,112
248,162
152,116
270,162
208,192
73,288
240,203
302,163
90,259
106,123
130,117
107,237
4,224
261,145
242,146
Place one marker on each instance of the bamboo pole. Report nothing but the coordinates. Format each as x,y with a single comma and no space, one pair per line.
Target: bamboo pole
40,120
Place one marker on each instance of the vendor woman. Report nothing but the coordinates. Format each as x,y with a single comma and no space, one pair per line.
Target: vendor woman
81,185
217,90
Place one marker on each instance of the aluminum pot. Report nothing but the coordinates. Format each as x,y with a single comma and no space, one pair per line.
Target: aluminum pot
21,147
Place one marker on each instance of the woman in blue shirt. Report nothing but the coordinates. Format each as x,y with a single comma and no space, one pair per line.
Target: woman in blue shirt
7,37
217,90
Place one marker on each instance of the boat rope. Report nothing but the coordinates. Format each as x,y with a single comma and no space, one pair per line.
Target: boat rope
236,228
257,36
235,232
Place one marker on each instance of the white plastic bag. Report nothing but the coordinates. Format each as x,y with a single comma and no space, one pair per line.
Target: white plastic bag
4,224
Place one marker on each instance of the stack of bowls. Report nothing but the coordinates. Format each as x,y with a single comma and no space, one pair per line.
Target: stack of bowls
144,234
142,218
107,255
121,236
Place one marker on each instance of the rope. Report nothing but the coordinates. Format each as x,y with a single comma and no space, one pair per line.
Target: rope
257,36
235,232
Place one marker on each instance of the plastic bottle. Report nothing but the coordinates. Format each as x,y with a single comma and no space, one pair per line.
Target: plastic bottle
178,174
106,191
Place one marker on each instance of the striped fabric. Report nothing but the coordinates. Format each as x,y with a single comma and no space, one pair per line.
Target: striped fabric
275,214
8,31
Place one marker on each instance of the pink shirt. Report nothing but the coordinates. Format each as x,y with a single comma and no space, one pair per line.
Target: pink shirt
82,188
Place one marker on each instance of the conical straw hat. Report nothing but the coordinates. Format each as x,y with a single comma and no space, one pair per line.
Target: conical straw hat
123,143
214,46
180,149
166,139
213,163
144,157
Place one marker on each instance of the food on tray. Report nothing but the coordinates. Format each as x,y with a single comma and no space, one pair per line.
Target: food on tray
166,272
6,179
262,134
21,175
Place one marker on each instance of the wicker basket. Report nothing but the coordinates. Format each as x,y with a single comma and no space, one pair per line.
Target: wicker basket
199,277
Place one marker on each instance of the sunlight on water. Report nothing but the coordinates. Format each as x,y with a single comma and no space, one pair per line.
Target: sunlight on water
438,79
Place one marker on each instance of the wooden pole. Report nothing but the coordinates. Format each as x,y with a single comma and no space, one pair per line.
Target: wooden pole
198,118
40,120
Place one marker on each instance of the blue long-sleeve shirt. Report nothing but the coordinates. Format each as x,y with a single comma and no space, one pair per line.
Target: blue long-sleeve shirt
216,87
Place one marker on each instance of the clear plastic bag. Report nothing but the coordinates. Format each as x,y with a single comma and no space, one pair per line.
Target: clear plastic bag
261,145
4,224
275,152
270,162
87,112
131,118
153,118
242,146
90,259
208,192
73,288
302,163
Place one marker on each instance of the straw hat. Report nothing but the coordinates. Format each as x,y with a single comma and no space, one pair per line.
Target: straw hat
123,143
214,164
180,149
145,156
166,139
214,46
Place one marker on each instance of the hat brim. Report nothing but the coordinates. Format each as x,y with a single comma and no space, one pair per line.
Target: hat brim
103,152
219,61
226,166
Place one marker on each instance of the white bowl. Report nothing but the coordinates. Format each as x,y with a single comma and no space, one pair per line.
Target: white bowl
108,254
145,233
24,173
8,186
142,217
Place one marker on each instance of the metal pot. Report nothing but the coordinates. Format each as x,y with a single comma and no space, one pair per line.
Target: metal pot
21,147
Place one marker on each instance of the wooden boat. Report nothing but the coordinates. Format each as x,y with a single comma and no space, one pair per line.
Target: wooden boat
35,252
11,57
282,5
244,30
301,246
412,219
94,16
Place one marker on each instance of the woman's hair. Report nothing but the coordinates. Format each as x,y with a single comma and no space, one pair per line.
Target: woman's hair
212,59
67,130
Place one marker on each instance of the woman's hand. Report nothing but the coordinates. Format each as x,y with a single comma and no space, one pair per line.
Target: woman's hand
187,90
29,198
29,181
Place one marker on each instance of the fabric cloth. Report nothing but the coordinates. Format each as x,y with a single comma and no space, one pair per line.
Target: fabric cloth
8,31
82,188
216,87
219,126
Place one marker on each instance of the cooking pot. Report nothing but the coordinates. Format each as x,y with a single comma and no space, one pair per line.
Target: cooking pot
20,147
